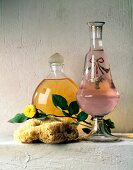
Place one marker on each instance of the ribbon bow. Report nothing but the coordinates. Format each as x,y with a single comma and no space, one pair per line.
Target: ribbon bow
97,65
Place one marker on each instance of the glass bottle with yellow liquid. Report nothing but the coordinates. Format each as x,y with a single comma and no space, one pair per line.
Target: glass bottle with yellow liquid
55,83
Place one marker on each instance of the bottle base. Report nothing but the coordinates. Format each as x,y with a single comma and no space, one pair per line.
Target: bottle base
103,138
99,133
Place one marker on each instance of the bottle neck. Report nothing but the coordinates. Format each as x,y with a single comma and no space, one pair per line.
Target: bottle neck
56,67
56,71
96,38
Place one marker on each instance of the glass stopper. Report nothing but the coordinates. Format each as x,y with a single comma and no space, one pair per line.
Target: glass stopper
56,58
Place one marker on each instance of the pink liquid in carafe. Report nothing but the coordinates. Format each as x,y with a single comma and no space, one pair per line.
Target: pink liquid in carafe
98,102
97,94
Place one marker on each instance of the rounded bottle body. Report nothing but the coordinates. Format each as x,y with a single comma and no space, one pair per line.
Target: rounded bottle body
42,97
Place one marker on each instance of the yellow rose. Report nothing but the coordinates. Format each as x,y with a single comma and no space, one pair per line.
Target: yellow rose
30,111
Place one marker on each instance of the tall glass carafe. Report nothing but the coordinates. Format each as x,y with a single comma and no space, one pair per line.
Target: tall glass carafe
55,83
97,94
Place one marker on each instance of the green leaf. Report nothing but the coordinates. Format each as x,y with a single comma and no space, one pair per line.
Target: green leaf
66,114
86,130
60,102
82,116
40,116
39,111
18,118
73,108
109,123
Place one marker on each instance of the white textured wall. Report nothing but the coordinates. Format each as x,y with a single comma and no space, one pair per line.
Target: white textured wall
32,30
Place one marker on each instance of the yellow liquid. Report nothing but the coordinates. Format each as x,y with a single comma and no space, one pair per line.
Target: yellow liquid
42,97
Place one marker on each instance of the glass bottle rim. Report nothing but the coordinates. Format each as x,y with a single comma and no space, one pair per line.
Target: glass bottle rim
96,23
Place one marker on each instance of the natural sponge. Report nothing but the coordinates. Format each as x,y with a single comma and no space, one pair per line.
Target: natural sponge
51,130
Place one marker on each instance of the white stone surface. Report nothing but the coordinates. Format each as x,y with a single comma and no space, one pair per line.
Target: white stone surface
32,30
71,156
